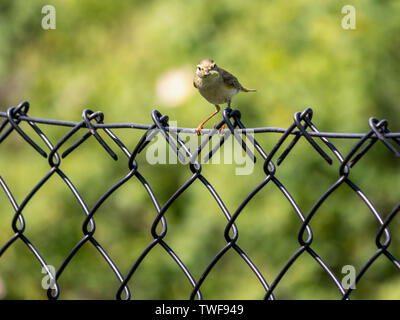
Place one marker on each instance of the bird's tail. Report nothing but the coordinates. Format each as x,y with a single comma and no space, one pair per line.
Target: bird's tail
248,90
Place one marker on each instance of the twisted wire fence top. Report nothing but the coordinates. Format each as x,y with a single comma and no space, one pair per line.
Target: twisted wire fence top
302,128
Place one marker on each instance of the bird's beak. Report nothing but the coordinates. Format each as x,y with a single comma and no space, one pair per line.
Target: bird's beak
206,72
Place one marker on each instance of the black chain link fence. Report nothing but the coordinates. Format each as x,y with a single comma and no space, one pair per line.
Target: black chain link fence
302,128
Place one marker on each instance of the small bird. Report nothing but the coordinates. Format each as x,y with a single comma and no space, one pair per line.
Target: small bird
217,86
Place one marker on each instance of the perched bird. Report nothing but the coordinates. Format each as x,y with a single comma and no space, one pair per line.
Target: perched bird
216,85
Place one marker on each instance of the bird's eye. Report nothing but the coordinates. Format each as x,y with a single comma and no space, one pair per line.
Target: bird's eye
198,68
214,66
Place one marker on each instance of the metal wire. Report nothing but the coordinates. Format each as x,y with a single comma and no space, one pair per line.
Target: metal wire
301,128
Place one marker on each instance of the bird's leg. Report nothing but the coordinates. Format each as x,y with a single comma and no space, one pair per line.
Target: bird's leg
220,129
223,126
198,130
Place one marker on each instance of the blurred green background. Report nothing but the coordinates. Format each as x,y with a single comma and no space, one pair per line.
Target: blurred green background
128,58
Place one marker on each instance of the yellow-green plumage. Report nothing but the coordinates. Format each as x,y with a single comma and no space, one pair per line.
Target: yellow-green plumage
216,85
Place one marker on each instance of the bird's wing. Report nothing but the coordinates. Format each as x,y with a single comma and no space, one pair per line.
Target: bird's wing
194,84
230,79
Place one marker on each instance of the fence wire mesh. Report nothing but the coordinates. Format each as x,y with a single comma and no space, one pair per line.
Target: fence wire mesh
301,128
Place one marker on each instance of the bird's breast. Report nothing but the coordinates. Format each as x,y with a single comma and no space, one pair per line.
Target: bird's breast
218,93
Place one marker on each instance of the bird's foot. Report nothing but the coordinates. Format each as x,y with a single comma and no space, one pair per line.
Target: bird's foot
220,129
198,130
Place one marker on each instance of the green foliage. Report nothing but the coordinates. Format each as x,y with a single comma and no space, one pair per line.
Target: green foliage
108,55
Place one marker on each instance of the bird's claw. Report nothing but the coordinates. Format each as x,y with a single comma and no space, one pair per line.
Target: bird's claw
198,130
220,129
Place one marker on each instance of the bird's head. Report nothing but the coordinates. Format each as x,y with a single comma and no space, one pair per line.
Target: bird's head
207,68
